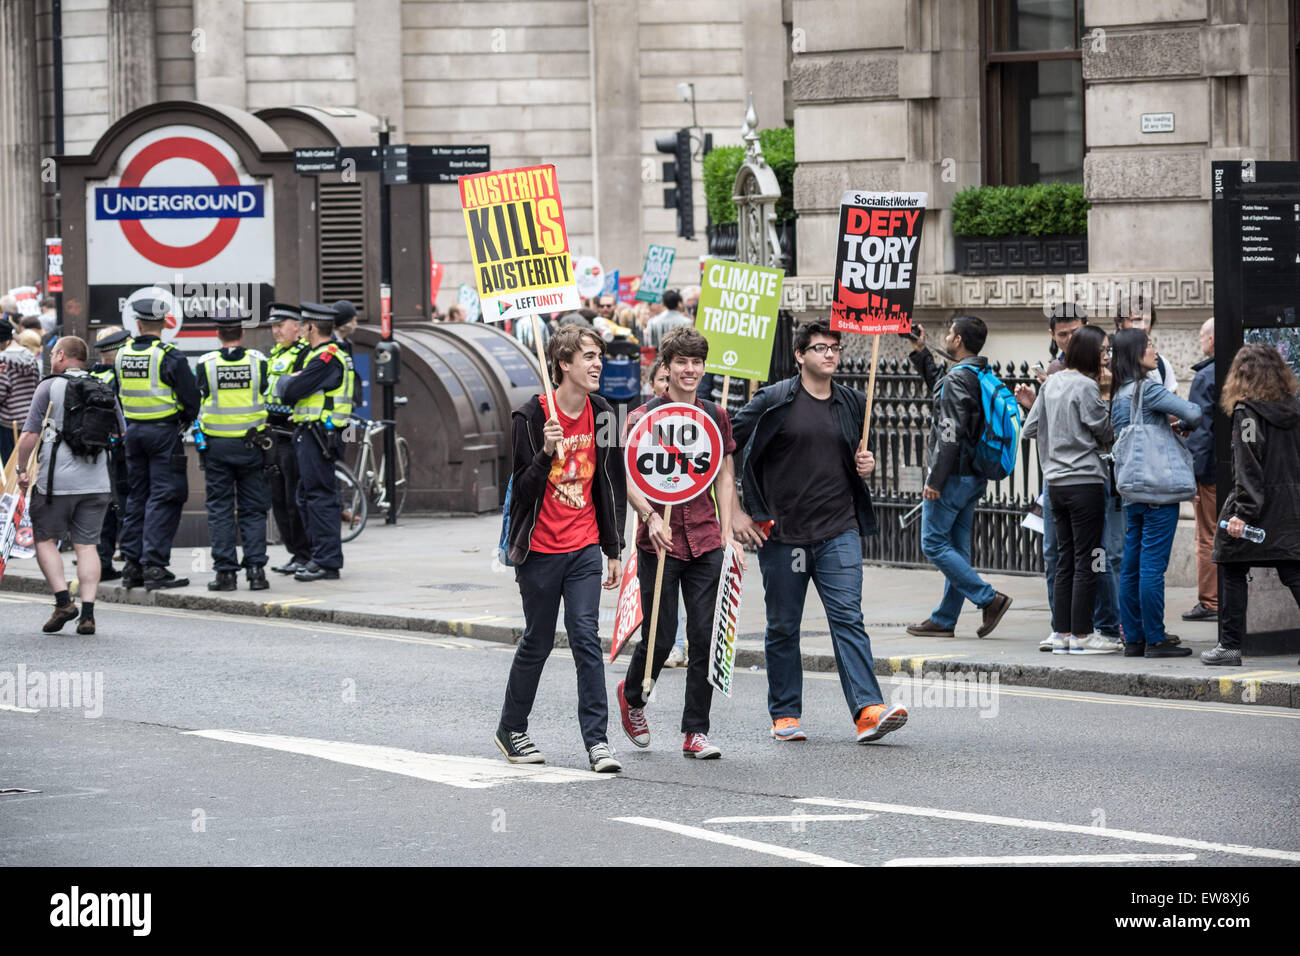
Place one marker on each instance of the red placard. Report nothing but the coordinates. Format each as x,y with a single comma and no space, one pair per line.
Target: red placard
435,279
674,453
627,617
54,265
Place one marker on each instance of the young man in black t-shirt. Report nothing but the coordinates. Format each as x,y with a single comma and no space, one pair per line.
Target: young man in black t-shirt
804,469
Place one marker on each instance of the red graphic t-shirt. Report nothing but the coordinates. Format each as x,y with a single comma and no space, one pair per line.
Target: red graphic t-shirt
567,520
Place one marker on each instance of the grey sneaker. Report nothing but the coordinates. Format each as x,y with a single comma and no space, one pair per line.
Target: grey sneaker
602,759
1227,656
517,747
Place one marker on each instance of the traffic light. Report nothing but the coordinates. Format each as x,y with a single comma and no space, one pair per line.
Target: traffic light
681,195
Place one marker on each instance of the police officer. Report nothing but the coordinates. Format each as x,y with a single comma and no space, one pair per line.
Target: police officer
232,417
322,406
107,342
288,356
345,324
159,400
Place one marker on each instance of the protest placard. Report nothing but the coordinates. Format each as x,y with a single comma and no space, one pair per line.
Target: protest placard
726,618
627,615
654,274
518,243
589,276
737,314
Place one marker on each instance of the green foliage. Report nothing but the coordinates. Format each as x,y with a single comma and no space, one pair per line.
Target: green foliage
1045,209
723,163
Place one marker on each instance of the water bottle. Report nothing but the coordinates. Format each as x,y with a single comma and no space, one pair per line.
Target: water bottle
200,441
1250,532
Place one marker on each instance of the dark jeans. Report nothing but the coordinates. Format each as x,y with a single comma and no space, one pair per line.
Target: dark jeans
234,471
945,540
835,567
1148,539
543,580
113,517
1106,617
1079,512
1235,591
283,479
699,586
155,470
7,440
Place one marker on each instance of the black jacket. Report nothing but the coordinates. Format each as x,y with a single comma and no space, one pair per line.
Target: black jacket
1266,486
756,423
532,467
957,400
1204,394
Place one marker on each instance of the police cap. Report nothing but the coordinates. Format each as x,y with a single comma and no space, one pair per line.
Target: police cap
230,315
149,310
281,311
113,340
315,312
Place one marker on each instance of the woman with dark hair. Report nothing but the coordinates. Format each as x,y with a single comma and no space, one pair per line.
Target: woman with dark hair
1073,428
1260,396
1148,528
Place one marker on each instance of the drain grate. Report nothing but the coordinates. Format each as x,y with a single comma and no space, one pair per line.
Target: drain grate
458,586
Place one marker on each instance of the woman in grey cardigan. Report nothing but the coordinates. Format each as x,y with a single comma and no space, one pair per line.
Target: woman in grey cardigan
1073,428
1148,529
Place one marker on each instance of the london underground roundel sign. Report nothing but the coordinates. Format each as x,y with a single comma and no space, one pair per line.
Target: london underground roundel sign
673,453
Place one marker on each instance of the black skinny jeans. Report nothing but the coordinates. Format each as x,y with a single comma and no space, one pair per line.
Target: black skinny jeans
1234,593
1080,515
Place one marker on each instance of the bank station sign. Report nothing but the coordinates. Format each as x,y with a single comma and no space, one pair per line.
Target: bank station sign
180,212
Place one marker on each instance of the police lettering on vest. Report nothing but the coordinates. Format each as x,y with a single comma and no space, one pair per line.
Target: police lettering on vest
234,402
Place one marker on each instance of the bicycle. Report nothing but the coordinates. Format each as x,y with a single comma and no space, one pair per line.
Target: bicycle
370,464
353,506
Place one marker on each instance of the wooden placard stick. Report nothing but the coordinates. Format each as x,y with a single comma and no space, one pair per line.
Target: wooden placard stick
654,605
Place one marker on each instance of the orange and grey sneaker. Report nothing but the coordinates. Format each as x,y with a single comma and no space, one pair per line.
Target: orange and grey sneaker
877,720
787,728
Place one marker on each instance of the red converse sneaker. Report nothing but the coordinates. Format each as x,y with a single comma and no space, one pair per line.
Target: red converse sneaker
698,746
634,722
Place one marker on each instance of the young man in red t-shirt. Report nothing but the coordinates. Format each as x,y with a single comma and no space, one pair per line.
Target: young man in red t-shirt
567,506
693,550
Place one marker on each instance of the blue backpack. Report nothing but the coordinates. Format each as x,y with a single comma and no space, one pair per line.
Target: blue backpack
994,455
503,546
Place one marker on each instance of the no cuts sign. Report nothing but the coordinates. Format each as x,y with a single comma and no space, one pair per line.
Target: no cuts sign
674,453
180,211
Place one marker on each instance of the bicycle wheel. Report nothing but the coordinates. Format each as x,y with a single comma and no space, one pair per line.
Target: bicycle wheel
401,480
352,500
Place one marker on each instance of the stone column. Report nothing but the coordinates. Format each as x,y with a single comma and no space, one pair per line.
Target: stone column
21,164
218,46
616,158
132,57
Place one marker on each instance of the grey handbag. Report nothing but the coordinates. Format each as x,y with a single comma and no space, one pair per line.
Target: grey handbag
1152,465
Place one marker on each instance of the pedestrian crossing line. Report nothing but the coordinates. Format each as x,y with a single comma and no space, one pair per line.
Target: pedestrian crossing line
20,710
1130,836
1075,860
796,818
468,773
771,849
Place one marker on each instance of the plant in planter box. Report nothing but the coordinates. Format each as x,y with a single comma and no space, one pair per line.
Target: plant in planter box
1006,229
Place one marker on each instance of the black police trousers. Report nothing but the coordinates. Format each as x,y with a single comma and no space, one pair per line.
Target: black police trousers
235,482
155,474
318,500
284,499
113,516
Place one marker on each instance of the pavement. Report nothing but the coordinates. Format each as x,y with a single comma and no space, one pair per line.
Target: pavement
440,575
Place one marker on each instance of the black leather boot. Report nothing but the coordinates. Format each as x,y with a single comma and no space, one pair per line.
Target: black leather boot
257,578
226,581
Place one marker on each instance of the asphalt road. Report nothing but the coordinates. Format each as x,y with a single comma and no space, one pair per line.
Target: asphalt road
321,745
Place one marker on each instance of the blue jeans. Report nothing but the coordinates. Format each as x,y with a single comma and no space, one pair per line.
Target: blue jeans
1106,618
835,567
945,540
1148,539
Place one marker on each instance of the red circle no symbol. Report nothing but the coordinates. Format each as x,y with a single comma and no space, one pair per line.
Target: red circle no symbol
211,245
674,453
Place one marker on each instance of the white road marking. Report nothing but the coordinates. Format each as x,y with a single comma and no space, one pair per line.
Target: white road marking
794,818
19,710
1041,860
470,773
1133,836
771,849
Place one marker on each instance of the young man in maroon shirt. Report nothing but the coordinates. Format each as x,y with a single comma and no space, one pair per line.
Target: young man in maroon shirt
567,506
693,546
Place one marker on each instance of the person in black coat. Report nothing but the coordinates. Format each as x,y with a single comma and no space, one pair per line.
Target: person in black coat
1204,394
1260,395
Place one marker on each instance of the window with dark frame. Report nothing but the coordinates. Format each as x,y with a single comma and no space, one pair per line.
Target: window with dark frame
1033,91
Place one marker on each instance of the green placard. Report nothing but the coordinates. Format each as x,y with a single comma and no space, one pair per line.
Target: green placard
737,314
654,274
